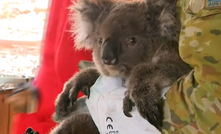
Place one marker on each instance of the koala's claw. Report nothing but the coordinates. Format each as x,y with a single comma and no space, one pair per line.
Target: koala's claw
127,106
86,91
73,97
62,104
151,113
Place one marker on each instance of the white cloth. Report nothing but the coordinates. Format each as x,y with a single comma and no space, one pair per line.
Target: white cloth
105,105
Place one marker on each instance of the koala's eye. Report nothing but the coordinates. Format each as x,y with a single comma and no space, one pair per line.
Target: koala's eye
132,41
100,40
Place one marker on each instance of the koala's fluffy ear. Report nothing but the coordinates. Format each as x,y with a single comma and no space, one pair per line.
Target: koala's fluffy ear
169,20
85,15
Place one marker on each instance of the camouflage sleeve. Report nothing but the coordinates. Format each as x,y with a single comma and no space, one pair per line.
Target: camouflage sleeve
193,103
179,3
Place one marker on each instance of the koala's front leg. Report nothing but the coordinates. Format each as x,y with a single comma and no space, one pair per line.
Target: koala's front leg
76,124
81,81
144,90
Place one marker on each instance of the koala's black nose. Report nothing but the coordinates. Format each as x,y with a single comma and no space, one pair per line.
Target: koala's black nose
109,62
109,56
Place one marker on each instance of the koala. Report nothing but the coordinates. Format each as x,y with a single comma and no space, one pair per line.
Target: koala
76,121
136,41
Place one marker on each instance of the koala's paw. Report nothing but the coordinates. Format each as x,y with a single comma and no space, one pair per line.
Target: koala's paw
81,81
149,111
143,93
127,105
63,103
147,107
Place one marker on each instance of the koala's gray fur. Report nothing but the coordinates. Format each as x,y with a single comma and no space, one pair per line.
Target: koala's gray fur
79,107
79,121
137,41
75,124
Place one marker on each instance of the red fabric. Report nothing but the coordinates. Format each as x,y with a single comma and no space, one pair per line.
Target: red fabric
59,64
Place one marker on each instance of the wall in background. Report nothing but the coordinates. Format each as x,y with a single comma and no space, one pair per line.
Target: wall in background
22,25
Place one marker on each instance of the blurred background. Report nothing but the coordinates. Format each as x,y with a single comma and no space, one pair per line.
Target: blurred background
22,28
22,24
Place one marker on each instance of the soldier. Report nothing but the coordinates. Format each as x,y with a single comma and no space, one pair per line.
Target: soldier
193,103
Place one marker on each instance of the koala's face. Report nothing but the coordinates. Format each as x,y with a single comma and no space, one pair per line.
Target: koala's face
121,35
121,42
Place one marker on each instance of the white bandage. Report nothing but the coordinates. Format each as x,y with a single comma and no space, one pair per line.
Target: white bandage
105,105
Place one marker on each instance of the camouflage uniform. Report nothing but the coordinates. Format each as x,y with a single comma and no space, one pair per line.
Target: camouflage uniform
193,103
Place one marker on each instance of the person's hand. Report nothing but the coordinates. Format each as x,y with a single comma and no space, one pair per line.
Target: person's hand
24,99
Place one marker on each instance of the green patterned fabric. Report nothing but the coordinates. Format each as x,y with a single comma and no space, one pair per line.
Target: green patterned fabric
193,103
